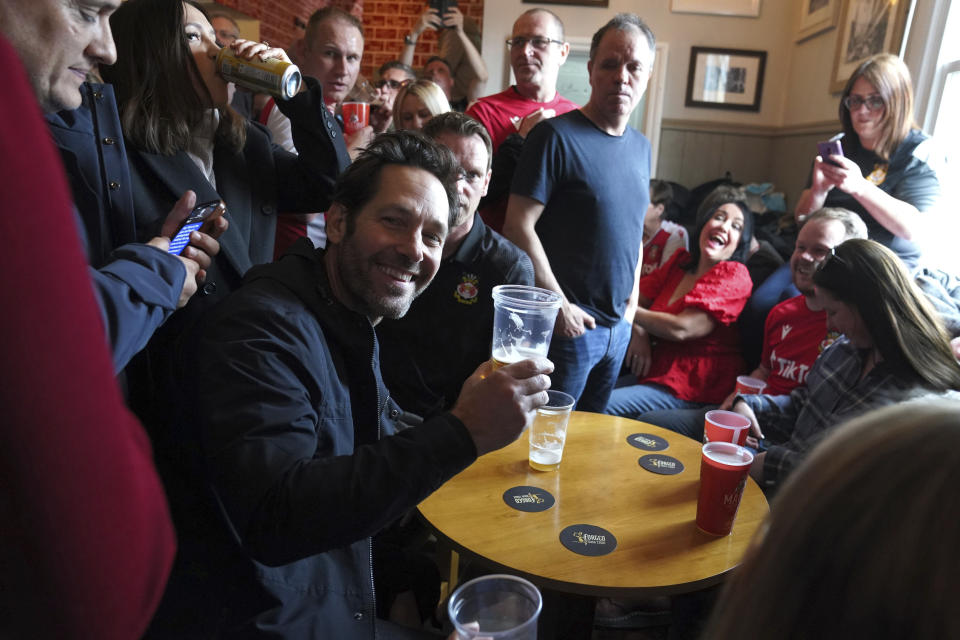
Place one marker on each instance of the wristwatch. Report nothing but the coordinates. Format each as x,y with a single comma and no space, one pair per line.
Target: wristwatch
409,39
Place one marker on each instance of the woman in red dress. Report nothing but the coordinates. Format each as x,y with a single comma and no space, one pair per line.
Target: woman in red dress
685,348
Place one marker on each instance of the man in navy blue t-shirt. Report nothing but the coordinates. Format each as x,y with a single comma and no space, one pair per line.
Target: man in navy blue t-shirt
577,205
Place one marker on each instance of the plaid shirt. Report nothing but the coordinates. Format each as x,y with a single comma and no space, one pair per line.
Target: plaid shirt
833,394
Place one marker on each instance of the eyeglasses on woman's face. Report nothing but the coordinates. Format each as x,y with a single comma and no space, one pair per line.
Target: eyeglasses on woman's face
874,102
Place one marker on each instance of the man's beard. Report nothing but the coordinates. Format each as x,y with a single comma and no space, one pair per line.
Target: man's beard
356,275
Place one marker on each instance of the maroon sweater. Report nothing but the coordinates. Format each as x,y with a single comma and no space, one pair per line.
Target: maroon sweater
86,541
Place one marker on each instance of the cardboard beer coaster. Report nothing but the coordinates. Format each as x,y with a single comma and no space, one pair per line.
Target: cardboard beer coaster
658,463
529,499
647,442
588,540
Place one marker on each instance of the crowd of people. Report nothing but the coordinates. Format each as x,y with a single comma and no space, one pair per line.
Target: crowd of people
315,362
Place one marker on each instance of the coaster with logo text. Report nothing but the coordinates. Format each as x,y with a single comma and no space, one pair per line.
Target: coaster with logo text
659,463
647,442
529,499
588,540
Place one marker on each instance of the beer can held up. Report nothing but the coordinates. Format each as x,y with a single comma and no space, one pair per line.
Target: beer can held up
277,77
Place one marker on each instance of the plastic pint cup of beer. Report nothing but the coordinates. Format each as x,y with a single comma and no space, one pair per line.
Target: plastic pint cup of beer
548,433
523,319
724,467
356,115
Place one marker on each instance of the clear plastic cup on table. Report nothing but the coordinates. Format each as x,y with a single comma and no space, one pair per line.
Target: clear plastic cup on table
548,433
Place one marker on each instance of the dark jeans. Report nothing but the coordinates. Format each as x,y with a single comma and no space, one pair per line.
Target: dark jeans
587,366
635,400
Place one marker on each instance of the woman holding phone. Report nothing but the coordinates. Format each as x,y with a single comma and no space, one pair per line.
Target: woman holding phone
884,173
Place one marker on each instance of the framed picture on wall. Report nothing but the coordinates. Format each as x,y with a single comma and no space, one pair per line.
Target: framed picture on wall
867,27
749,8
725,78
816,16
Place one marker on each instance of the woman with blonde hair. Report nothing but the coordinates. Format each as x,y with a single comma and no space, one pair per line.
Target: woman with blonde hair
894,348
862,541
416,103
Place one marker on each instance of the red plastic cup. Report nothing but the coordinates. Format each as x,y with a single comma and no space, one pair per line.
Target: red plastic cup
356,115
747,386
724,467
726,426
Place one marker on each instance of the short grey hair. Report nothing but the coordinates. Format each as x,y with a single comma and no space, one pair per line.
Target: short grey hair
853,225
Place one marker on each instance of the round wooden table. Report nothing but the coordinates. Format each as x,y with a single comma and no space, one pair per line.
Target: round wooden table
659,549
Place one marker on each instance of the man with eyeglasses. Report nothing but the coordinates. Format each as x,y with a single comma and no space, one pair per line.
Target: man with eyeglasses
537,50
427,354
393,75
577,205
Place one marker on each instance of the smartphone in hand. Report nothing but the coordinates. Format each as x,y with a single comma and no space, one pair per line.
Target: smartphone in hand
202,213
442,6
831,147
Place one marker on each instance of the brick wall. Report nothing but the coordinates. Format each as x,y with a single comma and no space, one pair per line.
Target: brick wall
384,21
277,17
387,21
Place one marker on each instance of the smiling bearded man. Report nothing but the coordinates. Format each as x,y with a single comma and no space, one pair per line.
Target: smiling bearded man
301,454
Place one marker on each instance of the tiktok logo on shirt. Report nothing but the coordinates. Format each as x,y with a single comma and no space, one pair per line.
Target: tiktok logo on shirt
788,369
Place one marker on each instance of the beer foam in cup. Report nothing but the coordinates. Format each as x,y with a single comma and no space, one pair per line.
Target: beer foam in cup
523,319
508,355
728,454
